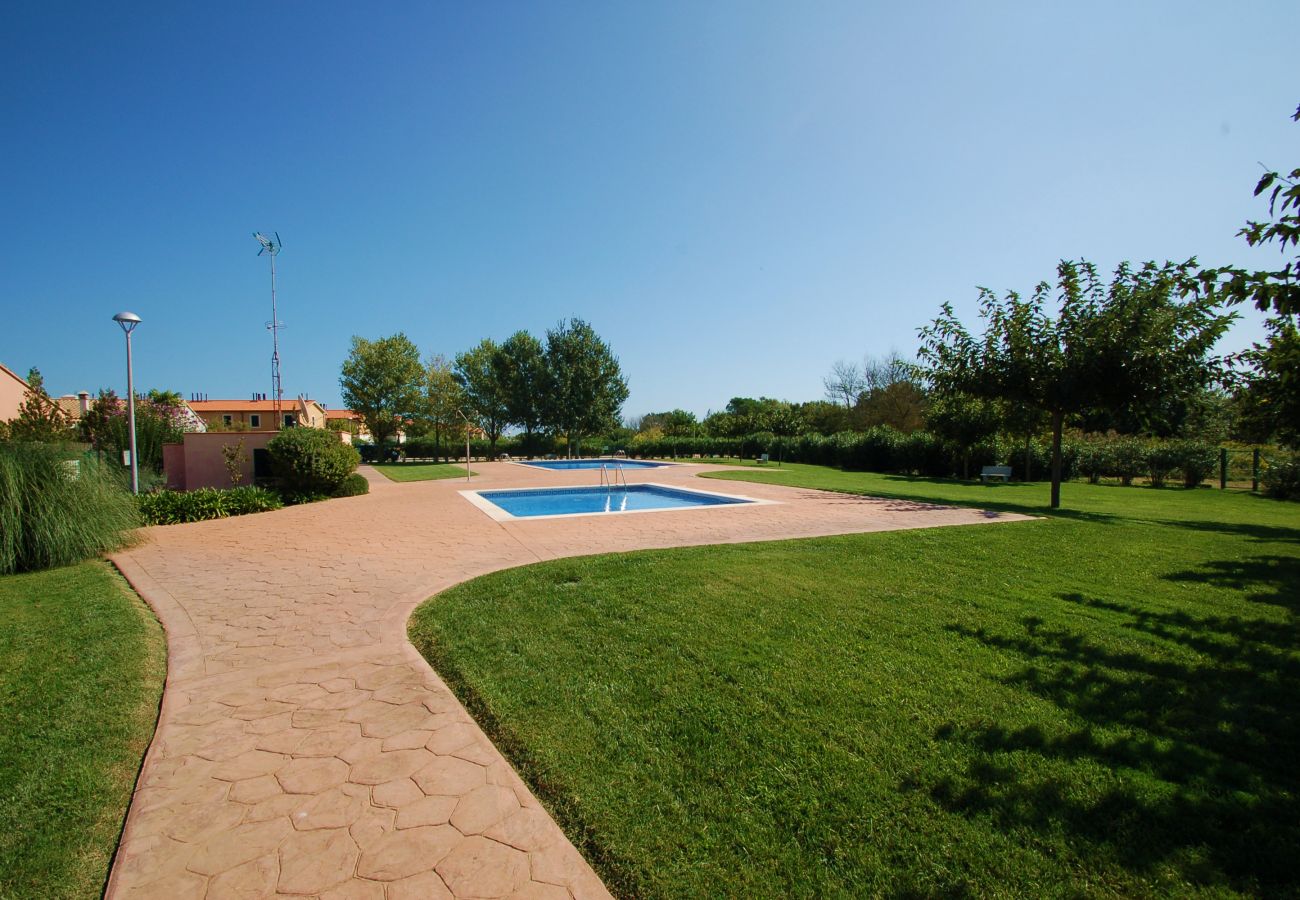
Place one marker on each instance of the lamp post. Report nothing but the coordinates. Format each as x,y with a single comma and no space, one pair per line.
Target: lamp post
128,321
466,418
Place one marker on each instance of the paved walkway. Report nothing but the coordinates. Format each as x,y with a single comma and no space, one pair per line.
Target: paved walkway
305,748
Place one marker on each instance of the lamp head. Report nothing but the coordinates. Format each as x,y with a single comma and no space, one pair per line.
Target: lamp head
128,321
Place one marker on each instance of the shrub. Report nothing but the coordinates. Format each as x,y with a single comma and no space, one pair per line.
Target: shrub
353,486
1280,477
1162,458
1094,459
56,510
1197,460
310,461
175,507
1128,459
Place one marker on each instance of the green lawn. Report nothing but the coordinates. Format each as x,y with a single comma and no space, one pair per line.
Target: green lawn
1096,703
82,662
421,471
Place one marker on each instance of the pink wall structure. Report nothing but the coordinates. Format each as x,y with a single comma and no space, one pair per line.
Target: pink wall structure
13,391
199,461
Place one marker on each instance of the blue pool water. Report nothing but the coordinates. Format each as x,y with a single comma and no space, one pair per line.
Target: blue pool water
600,499
608,462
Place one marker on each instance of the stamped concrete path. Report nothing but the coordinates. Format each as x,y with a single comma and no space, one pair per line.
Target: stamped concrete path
305,748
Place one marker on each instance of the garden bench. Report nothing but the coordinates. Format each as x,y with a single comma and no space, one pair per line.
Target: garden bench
762,459
990,472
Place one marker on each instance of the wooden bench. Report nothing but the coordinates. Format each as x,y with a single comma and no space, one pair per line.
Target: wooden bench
762,459
989,473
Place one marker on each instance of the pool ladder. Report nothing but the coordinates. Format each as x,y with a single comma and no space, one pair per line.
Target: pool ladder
611,481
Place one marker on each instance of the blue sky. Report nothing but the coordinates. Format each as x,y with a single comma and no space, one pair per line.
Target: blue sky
734,194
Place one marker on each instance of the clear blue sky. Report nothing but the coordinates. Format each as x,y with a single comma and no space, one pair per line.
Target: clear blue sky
734,194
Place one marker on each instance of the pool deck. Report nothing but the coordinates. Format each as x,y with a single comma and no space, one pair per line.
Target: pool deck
304,748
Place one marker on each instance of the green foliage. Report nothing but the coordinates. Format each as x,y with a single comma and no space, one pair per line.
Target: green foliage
355,485
521,373
175,507
479,372
56,509
310,461
382,381
1107,347
40,419
1197,460
443,400
674,423
1161,460
1280,477
106,426
585,388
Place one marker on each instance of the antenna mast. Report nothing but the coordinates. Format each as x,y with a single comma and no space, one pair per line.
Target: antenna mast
271,247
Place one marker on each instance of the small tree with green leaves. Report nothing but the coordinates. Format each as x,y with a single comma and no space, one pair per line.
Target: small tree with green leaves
1105,347
382,382
479,372
40,419
1274,383
585,388
521,373
443,400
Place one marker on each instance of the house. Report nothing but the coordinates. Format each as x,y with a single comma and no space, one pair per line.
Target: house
258,414
336,419
13,391
77,405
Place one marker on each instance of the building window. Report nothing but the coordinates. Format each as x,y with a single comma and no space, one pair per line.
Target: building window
289,421
255,420
227,421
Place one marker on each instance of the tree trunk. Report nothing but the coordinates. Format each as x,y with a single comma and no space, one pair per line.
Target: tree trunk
1058,424
1028,475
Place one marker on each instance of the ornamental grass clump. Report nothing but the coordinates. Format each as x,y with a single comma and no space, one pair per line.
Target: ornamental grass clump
57,509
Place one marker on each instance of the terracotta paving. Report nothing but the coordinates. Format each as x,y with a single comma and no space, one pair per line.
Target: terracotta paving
305,749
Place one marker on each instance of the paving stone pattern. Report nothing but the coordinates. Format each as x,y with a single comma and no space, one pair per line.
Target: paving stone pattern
305,749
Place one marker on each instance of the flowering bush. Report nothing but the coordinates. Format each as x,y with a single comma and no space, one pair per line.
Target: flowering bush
157,422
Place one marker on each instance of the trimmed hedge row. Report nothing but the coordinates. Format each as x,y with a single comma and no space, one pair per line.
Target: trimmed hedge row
884,449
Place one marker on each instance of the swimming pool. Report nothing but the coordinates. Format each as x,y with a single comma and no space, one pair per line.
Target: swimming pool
609,462
535,503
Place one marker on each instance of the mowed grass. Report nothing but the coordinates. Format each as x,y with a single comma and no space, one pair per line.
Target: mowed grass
1100,703
419,471
82,663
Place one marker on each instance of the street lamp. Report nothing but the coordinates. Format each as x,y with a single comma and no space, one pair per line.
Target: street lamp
466,418
128,321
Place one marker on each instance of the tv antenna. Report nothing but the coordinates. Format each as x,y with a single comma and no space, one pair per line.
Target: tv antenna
271,247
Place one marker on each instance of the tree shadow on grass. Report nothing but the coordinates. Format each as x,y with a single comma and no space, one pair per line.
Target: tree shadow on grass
1195,743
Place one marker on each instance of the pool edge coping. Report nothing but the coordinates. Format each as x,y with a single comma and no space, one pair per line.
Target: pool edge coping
498,514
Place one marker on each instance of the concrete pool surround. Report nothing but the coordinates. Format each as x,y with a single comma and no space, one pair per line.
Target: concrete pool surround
305,748
484,501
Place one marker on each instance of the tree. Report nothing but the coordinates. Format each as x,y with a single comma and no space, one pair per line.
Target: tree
39,418
521,371
823,416
1105,348
585,388
674,423
964,420
1273,385
891,394
381,381
479,373
443,399
844,384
